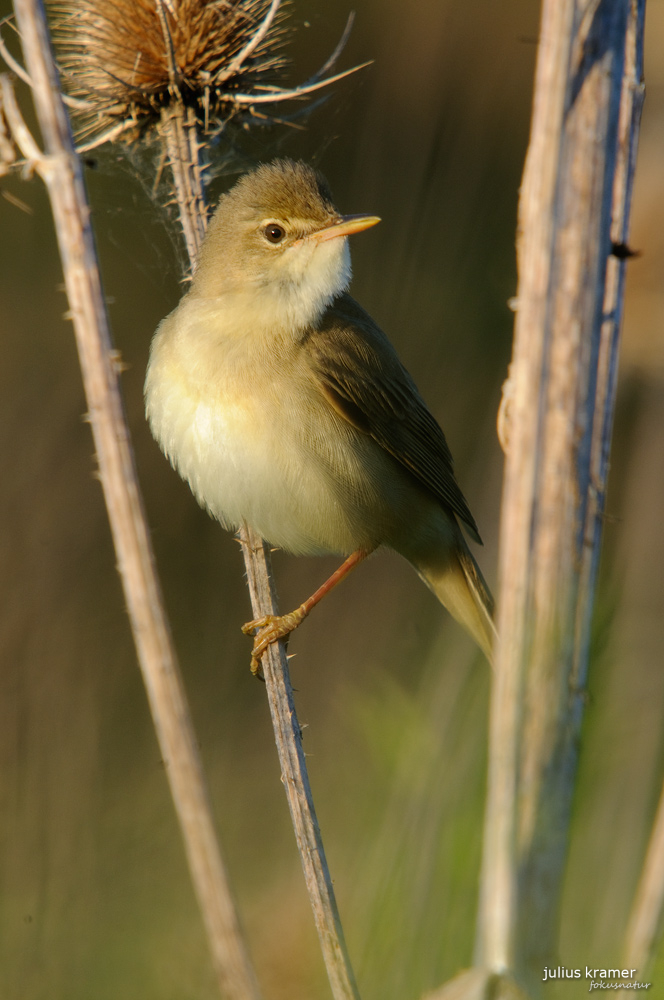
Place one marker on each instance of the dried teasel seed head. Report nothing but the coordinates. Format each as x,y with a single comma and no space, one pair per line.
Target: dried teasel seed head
124,61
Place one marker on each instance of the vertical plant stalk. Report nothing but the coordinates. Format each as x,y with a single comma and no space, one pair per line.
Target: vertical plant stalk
648,904
574,204
629,120
61,171
498,898
187,178
288,736
646,915
178,126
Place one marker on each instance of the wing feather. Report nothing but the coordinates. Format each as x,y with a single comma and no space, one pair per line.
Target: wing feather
361,375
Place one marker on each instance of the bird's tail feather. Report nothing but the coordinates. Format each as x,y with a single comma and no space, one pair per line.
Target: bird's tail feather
460,586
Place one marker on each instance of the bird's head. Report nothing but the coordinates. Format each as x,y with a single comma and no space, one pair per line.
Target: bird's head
277,236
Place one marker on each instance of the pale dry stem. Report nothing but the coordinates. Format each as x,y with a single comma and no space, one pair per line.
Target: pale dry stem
274,661
646,915
574,203
60,169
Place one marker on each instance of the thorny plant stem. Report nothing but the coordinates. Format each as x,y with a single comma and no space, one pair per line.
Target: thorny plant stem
60,169
181,141
288,735
274,661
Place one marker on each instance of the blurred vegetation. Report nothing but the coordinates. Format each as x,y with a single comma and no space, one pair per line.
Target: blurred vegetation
94,894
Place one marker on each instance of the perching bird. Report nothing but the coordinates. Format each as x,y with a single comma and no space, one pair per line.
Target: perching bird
281,402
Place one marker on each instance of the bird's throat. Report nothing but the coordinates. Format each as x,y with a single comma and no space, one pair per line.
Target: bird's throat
288,298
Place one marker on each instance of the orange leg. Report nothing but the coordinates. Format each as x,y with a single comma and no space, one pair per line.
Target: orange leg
274,627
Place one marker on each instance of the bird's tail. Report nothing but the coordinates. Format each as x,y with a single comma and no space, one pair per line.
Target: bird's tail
459,585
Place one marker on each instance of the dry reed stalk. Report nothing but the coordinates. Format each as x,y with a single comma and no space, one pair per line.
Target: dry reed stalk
288,736
573,214
174,71
646,915
60,169
181,138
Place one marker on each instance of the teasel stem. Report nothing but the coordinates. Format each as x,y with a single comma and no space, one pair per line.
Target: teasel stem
295,778
177,116
179,132
183,146
61,171
184,149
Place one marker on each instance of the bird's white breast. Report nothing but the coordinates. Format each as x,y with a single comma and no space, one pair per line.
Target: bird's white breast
240,436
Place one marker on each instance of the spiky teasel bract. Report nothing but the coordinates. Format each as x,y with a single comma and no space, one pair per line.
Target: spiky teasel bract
124,61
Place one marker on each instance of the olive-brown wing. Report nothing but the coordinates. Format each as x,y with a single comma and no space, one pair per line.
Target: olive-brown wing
360,373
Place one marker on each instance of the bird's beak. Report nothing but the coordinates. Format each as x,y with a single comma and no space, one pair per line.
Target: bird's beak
345,226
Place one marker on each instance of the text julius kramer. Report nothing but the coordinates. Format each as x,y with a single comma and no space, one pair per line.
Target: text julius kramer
626,975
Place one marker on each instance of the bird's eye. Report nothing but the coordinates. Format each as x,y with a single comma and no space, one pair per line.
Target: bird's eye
274,233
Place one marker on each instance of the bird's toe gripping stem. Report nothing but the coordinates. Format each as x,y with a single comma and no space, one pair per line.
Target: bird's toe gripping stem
271,628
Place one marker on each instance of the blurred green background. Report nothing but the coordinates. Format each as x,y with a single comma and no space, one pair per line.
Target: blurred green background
95,900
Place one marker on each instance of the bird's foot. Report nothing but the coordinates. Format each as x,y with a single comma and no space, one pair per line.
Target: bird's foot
271,628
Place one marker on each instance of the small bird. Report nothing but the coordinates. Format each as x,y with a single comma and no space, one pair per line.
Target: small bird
285,407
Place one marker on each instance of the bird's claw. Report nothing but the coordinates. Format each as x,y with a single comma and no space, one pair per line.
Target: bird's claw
270,628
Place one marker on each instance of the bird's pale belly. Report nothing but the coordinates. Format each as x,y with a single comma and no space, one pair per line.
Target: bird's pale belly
232,454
